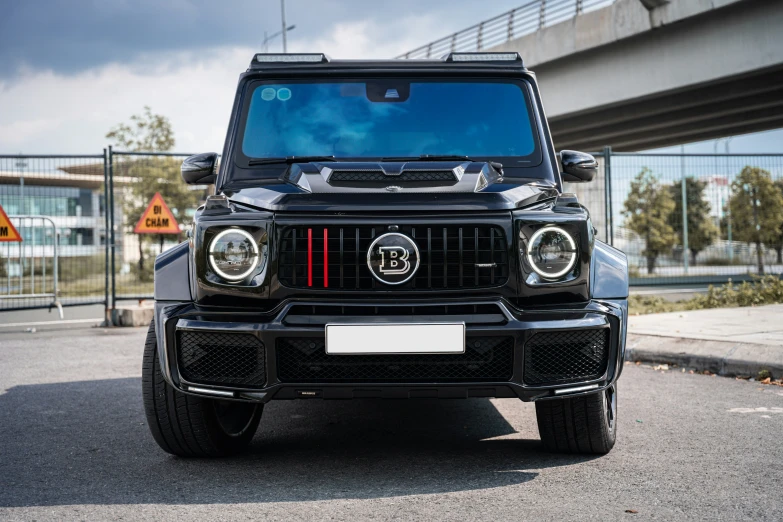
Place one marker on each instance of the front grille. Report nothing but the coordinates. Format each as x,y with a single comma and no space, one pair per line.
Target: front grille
379,176
450,257
220,358
566,356
486,359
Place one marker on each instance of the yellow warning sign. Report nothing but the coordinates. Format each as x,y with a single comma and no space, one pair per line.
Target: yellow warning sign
7,230
157,219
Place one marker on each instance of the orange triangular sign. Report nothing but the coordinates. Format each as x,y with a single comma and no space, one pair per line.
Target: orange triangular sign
157,219
7,230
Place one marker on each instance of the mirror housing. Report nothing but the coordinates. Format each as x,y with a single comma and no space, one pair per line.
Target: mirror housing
578,167
200,169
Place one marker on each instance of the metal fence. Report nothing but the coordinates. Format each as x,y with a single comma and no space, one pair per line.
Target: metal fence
136,178
63,236
505,27
680,218
697,218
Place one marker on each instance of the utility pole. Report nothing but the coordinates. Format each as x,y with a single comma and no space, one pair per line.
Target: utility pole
282,17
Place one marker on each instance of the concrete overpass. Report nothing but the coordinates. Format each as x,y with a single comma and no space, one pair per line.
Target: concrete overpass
639,74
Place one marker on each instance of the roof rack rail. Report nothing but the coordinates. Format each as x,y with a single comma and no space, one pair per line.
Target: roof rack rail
266,59
483,57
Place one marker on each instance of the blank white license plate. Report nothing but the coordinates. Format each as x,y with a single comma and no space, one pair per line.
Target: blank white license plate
371,339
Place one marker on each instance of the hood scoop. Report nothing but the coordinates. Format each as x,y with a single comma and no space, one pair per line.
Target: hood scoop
382,177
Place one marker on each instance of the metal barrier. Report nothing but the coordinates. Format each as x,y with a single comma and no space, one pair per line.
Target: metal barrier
38,251
525,19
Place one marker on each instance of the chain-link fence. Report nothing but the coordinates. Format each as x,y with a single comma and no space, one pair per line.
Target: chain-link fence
137,177
681,218
57,204
697,218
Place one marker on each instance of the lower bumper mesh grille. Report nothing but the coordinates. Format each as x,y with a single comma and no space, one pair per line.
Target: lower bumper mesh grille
485,359
566,356
221,359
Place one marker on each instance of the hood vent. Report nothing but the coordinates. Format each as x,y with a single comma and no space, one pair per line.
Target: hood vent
408,176
384,177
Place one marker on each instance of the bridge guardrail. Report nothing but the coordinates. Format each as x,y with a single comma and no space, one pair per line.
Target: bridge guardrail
522,20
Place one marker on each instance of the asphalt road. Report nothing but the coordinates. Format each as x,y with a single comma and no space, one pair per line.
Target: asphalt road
74,445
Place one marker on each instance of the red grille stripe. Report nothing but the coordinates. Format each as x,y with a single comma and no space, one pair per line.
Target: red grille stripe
326,258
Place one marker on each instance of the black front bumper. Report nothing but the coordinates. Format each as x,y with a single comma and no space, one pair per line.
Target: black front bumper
529,354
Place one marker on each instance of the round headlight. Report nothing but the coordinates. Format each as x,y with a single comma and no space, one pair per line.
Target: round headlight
551,252
233,254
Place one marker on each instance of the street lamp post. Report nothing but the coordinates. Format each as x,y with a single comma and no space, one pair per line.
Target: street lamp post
284,28
272,36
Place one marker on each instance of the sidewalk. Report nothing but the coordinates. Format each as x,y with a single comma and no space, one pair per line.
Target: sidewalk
727,341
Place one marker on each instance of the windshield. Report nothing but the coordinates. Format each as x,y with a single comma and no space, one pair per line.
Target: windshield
485,119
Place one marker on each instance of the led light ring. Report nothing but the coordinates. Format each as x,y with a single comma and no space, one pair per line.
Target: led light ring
539,233
212,251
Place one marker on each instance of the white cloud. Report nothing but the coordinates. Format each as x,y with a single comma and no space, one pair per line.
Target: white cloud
369,39
45,112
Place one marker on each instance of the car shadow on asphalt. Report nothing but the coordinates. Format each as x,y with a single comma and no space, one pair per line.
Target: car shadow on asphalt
87,442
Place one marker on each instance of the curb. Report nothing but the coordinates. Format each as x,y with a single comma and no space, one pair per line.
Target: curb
135,315
720,357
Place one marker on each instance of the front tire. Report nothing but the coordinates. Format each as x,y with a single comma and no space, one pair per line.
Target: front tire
584,424
190,426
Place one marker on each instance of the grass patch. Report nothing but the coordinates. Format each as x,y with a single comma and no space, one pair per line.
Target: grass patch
761,291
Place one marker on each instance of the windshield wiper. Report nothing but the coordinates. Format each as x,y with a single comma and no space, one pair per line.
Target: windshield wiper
443,157
429,157
288,160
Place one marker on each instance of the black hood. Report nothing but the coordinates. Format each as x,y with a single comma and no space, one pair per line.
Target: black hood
391,186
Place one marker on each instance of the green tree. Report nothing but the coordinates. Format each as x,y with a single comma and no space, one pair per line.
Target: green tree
702,231
138,178
756,210
647,210
146,132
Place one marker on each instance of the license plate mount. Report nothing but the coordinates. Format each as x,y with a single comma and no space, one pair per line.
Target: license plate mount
395,338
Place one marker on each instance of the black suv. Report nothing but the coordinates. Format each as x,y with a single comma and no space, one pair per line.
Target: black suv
386,229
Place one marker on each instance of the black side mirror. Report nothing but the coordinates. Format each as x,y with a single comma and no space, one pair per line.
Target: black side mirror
200,169
578,167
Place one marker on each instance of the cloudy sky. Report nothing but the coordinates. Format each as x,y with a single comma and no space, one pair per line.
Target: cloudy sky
72,69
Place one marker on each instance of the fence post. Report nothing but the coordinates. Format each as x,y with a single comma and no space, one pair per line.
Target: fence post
113,246
608,195
684,195
55,265
106,311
